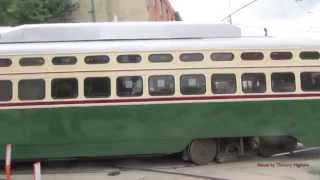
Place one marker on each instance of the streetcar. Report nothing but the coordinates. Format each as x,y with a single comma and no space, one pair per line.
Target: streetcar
118,89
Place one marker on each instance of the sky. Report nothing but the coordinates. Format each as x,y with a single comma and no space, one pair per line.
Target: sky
280,17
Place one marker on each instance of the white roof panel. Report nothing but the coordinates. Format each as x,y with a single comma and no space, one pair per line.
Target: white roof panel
116,31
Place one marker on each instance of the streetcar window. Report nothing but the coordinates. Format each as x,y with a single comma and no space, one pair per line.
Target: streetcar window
253,83
97,59
5,90
223,56
128,86
193,84
310,55
252,56
64,88
310,81
281,55
33,89
131,58
33,61
224,83
67,60
188,57
283,82
97,87
161,85
5,62
160,58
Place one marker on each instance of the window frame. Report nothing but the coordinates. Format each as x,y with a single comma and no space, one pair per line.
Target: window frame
107,59
252,53
282,91
302,82
21,97
138,56
159,55
310,53
256,73
57,58
233,75
201,55
162,76
182,90
75,96
11,90
222,54
8,64
128,96
28,61
108,82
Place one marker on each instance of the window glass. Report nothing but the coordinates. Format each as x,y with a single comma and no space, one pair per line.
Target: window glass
193,84
97,87
252,56
253,83
64,88
310,81
33,89
131,58
97,59
160,58
129,86
225,56
161,85
5,90
283,82
187,57
310,55
5,62
281,55
33,61
224,83
67,60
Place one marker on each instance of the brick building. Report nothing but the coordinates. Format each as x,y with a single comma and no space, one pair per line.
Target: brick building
122,10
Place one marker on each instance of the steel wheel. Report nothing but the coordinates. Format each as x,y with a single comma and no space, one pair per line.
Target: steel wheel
202,151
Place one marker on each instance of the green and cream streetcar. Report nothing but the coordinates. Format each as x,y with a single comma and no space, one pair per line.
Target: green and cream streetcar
113,89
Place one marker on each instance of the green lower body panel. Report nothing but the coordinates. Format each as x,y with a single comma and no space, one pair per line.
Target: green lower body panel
150,129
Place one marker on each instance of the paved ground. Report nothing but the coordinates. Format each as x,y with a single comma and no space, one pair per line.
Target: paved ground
302,165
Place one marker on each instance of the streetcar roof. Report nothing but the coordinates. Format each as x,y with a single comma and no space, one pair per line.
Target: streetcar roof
159,45
116,31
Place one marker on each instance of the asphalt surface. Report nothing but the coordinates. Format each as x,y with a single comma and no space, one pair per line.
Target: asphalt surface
304,164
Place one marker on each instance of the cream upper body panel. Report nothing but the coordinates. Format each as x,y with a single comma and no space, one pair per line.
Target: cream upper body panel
144,48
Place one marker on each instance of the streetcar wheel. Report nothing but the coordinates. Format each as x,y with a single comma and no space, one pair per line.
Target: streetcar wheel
202,151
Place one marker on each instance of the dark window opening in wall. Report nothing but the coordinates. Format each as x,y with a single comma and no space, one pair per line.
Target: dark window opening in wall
310,81
189,57
224,83
193,84
252,56
310,55
5,90
253,83
160,58
5,62
33,89
129,86
67,60
97,59
131,58
32,61
223,56
64,88
97,87
283,82
161,85
281,55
